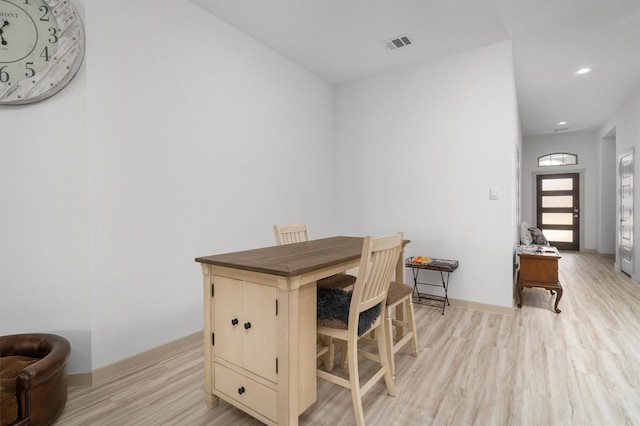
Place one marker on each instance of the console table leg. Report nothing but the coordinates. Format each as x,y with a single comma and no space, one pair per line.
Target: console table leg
519,291
558,297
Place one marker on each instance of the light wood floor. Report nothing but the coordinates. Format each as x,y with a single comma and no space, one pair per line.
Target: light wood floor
580,367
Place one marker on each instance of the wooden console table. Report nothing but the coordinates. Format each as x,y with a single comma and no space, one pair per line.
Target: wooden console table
260,324
539,268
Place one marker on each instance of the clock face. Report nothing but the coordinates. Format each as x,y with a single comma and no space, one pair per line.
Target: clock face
41,48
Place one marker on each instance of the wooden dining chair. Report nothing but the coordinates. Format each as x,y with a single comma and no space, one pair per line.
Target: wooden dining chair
399,294
349,316
297,233
290,234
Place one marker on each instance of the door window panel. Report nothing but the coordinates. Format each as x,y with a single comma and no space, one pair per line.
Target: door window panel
559,235
549,201
557,218
557,184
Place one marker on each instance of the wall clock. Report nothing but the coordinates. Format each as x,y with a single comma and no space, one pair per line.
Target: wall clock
41,48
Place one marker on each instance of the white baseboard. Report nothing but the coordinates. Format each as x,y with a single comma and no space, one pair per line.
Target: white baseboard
82,379
102,374
506,310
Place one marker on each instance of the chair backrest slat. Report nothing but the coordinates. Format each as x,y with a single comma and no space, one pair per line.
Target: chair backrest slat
289,234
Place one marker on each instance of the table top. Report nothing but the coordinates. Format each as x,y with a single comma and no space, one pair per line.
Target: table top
291,259
444,265
538,251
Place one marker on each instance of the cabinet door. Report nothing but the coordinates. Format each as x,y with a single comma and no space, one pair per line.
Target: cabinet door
260,339
228,320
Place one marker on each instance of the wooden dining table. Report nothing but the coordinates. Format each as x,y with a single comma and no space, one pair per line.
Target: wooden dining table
260,324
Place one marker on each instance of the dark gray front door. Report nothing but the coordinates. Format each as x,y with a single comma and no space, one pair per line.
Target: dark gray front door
558,209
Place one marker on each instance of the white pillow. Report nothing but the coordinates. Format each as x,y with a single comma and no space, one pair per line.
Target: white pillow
525,235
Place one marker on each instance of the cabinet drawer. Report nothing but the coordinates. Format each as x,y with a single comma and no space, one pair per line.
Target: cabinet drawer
539,270
246,391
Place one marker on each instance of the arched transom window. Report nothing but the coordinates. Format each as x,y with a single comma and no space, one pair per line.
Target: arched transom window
558,159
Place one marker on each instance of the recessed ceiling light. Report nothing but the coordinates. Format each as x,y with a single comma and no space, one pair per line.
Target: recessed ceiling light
583,71
562,123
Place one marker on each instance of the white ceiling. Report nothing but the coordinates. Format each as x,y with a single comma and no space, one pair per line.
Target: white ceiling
341,40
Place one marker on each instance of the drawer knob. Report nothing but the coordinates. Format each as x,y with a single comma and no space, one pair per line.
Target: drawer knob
247,325
234,321
241,390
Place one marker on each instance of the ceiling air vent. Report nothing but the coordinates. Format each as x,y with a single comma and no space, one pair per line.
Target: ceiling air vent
397,42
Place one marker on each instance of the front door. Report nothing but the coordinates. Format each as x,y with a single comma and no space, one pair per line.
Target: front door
625,233
558,209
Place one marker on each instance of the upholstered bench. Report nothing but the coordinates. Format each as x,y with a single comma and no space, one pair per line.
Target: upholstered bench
33,378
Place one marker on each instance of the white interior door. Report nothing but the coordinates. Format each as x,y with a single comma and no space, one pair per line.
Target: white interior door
625,233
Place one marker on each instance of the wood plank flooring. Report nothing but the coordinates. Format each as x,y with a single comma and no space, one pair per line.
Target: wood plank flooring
580,367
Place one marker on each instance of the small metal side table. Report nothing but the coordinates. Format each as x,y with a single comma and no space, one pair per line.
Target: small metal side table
441,265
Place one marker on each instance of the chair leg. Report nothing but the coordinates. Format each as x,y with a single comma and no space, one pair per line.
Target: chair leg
330,355
342,362
400,316
354,378
384,360
412,327
388,324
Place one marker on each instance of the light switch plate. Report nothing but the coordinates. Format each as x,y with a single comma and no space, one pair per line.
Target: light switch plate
494,193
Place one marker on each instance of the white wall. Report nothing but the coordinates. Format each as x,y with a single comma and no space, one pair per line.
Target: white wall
584,144
44,222
625,122
418,150
180,137
200,140
606,204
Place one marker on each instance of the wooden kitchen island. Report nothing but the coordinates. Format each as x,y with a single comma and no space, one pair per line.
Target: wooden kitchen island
260,324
